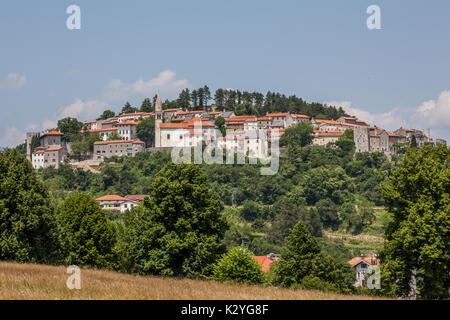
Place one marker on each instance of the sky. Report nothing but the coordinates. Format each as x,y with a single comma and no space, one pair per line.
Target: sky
321,51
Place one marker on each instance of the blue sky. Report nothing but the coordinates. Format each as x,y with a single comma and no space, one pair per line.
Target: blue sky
319,50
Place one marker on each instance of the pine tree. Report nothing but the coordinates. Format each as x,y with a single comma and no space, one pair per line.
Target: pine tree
207,94
219,98
146,106
297,256
184,99
194,99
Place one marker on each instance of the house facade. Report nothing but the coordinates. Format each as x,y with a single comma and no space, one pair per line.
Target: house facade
106,149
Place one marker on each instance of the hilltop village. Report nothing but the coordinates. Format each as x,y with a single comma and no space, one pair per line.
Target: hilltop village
176,127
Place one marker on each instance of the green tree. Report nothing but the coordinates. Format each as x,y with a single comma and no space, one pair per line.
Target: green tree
418,237
346,141
178,230
114,136
297,257
194,99
328,213
87,235
146,105
21,148
127,108
206,94
289,213
238,265
28,229
145,131
299,135
219,122
35,142
184,99
219,98
413,142
106,115
303,264
70,127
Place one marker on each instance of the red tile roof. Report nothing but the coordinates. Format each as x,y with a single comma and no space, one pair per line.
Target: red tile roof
52,133
301,116
137,114
136,197
119,141
54,149
369,260
111,197
265,262
100,130
318,133
279,114
129,123
172,110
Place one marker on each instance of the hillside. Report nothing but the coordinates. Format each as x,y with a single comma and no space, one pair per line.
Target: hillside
27,281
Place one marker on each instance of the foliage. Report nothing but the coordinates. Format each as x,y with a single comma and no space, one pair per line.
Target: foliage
70,127
299,135
418,236
146,106
297,257
28,230
237,265
301,257
346,141
146,130
114,136
127,108
106,115
88,238
83,144
178,230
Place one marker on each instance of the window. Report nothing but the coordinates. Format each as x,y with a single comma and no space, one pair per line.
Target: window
168,137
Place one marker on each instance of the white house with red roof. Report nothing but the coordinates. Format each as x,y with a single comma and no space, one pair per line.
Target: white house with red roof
50,152
361,265
115,202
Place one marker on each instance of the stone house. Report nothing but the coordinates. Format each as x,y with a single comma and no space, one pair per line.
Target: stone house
106,149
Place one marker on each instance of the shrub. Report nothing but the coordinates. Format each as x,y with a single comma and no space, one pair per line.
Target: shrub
238,266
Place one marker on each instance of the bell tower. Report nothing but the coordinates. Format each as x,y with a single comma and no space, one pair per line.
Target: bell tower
158,121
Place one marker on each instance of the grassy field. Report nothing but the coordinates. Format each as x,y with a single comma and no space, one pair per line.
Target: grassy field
37,282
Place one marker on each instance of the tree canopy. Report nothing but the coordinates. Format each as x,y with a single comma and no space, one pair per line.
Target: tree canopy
418,237
178,230
28,229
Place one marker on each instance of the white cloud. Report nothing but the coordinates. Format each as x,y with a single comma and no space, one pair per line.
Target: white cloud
12,137
166,83
433,114
13,81
389,120
83,110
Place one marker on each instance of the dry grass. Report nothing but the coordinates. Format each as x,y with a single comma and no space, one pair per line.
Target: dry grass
31,282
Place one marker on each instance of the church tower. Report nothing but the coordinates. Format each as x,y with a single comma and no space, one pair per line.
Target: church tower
158,121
